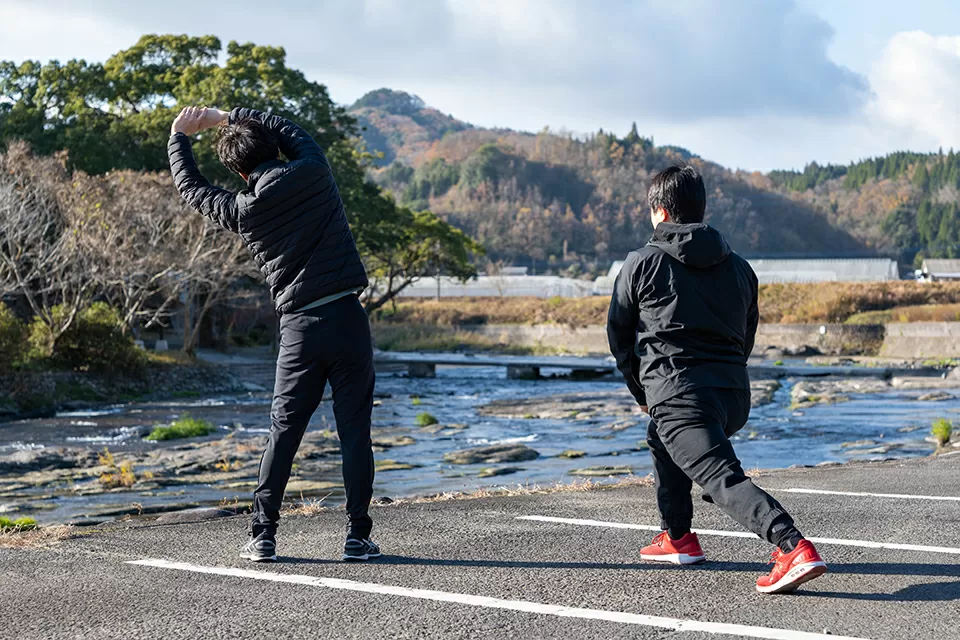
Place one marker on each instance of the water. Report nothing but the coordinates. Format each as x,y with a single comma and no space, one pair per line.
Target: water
890,424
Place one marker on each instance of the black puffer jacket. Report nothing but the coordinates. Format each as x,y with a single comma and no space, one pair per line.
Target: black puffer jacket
683,315
290,215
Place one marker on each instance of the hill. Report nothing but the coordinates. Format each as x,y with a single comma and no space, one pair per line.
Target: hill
557,202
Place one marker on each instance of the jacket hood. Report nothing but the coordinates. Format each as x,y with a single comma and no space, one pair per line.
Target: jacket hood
696,245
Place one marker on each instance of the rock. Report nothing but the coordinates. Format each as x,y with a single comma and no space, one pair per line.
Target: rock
306,488
393,465
491,472
194,515
858,444
935,396
602,471
444,429
570,453
492,454
762,392
802,351
394,441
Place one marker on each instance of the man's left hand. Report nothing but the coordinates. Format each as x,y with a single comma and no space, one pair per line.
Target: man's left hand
188,122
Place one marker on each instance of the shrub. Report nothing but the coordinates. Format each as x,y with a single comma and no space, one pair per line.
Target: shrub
185,427
116,476
13,339
425,419
942,430
20,524
95,341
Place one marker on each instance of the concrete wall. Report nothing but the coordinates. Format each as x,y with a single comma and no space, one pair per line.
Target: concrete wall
913,340
592,339
831,339
922,340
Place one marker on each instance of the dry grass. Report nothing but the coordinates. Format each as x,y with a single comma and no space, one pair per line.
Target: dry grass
36,538
779,304
577,312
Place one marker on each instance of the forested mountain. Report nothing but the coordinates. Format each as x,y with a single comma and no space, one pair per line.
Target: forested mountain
905,204
556,202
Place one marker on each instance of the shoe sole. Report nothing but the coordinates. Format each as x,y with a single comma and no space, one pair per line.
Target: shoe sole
259,558
674,558
795,577
366,556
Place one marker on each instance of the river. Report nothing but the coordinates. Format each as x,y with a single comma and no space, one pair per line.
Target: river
474,407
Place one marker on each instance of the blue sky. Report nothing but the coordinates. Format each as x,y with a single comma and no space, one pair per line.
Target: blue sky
752,84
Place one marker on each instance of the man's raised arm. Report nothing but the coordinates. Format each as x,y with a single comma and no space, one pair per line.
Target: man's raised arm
213,202
294,142
623,323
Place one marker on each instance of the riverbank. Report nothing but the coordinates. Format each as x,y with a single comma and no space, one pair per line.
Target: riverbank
526,564
34,393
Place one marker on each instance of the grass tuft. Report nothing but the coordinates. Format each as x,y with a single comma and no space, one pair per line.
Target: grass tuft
942,429
35,537
20,524
425,419
185,427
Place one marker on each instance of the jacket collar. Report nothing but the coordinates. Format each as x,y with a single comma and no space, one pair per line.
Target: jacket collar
261,169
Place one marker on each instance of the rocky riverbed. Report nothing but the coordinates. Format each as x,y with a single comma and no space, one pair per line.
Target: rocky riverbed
94,464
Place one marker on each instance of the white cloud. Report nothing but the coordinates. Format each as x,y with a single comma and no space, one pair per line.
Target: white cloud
747,83
30,31
917,87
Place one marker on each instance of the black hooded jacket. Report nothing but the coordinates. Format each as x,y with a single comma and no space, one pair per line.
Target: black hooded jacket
290,215
683,315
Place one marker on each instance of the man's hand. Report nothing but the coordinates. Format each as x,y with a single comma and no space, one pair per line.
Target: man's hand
194,119
644,408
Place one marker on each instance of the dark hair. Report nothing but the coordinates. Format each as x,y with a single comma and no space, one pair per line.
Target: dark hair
245,145
679,191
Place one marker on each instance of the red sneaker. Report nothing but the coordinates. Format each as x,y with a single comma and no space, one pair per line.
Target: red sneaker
686,550
790,570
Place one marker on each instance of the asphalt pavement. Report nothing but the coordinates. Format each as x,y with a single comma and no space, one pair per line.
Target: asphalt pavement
559,565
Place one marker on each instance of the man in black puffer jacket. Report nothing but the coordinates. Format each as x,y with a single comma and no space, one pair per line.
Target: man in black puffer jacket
291,217
681,326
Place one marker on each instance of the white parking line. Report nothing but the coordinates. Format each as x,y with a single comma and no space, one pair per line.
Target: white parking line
860,494
743,534
674,624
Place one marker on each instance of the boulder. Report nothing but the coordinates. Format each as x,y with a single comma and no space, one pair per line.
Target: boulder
492,454
602,471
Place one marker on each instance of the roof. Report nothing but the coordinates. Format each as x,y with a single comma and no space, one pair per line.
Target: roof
777,270
941,267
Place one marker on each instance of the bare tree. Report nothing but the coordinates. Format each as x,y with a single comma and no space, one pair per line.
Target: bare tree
41,257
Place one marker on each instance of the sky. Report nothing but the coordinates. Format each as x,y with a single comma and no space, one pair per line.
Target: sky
751,84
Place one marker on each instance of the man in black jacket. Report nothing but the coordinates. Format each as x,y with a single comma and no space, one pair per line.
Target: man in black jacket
681,326
291,217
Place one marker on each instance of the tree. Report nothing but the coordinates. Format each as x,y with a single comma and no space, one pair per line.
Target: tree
41,256
116,116
421,245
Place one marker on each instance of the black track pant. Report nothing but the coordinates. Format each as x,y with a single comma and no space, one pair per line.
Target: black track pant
331,342
689,437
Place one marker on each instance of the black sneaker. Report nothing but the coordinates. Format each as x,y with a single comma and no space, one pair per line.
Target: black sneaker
263,548
360,549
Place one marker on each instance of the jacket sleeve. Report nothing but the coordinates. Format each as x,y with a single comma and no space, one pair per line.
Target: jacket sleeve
753,321
213,202
623,324
295,143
